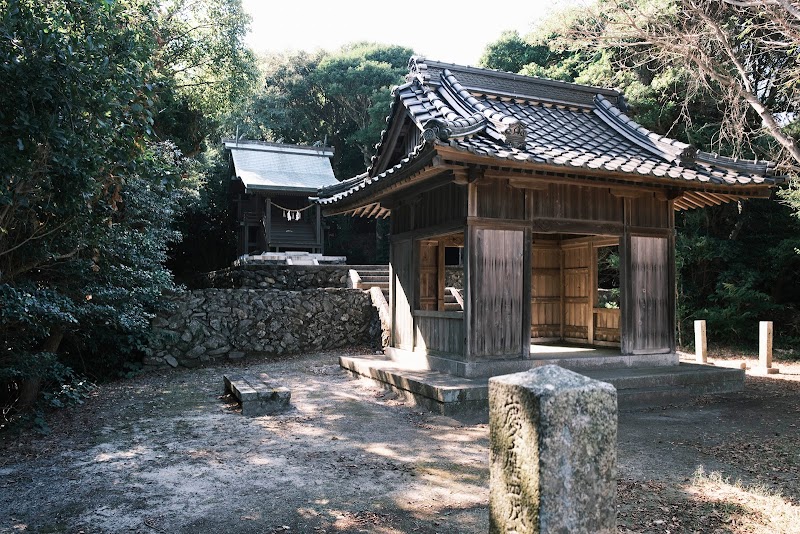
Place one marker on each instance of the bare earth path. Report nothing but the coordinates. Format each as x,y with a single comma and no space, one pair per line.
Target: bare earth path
165,453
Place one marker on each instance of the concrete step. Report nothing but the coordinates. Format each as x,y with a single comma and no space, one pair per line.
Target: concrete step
653,386
452,306
367,285
382,279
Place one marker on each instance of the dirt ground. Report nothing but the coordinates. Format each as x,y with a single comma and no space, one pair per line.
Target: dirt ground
167,453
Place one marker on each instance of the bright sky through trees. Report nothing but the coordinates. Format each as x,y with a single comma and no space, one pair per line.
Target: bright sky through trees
447,31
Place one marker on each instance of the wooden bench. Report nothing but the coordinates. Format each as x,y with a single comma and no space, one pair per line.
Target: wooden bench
256,394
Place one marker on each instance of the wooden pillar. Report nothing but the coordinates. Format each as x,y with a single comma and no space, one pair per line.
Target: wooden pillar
592,290
440,276
469,251
562,310
321,245
673,288
267,223
467,296
527,267
700,342
625,280
392,295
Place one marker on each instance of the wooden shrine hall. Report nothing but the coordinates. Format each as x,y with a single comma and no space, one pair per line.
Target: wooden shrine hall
270,192
543,184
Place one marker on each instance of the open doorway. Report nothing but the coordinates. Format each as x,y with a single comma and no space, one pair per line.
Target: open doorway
575,295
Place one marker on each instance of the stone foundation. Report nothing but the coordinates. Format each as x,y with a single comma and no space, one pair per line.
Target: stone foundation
265,276
454,277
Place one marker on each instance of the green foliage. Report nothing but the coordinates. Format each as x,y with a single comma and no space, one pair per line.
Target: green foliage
738,267
207,225
341,96
510,53
89,197
202,68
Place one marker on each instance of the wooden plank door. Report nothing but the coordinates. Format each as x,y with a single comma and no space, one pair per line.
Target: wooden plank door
401,295
648,321
546,308
577,292
496,294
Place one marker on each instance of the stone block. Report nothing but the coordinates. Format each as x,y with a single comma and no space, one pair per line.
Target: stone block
553,453
257,394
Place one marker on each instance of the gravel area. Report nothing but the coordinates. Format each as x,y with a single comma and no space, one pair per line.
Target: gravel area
167,452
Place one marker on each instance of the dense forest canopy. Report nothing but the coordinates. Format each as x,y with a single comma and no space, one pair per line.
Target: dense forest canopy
114,183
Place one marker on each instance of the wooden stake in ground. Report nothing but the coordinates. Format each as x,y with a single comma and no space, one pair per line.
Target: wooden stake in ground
700,342
765,348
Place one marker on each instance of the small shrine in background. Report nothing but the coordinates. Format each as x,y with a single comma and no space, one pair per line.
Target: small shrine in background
271,190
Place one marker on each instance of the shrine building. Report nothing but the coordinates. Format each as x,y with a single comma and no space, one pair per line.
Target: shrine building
554,196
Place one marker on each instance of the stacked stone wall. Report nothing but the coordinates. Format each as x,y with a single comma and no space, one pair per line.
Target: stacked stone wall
215,324
454,277
265,276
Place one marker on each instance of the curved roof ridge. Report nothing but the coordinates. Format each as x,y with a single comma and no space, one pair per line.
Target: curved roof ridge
511,84
392,108
509,129
664,147
671,149
753,166
467,120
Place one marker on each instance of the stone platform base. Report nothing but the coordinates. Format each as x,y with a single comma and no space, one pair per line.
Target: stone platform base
636,386
571,357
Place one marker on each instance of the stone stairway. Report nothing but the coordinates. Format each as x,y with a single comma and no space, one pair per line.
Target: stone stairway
369,276
453,300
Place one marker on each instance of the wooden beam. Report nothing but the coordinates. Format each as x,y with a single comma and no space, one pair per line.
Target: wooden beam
689,199
711,199
435,231
440,276
627,193
489,222
528,183
680,205
575,226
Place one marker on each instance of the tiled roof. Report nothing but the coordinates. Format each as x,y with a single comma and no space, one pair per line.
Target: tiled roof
543,123
279,167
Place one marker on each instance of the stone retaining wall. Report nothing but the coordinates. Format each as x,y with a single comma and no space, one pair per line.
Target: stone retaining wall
454,277
289,277
215,324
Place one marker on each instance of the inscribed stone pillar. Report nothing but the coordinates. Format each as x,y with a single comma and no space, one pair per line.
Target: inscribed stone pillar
553,453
